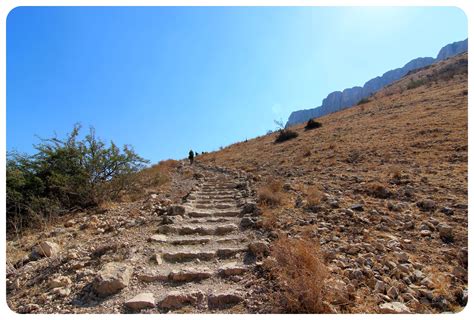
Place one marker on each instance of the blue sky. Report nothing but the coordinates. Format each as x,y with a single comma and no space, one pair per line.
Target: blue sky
167,79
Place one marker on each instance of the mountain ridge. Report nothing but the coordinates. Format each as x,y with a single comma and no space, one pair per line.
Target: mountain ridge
338,100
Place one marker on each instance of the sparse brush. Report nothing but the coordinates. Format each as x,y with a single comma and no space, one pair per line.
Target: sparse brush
298,267
378,190
312,124
269,219
314,197
285,134
362,101
354,156
270,194
415,83
306,152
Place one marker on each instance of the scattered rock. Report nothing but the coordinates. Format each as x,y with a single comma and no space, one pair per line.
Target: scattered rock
249,207
247,222
446,233
158,238
61,281
176,299
394,307
46,249
447,211
426,205
223,299
113,277
176,210
258,248
357,207
141,301
379,287
392,293
69,223
425,233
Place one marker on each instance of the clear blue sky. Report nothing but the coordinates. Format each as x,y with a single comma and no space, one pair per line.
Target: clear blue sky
169,79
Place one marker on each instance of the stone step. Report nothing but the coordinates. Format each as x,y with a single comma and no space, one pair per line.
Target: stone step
215,206
177,299
214,201
202,240
201,229
226,213
203,255
190,274
223,300
215,220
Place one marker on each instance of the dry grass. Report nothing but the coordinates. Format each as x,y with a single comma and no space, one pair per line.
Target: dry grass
298,267
314,196
412,143
269,218
271,194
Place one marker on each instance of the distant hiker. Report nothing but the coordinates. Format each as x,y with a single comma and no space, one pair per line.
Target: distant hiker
191,156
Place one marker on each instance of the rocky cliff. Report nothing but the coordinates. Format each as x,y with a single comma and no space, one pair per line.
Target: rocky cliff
339,100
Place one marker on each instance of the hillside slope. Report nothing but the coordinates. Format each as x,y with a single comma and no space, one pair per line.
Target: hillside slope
367,213
382,187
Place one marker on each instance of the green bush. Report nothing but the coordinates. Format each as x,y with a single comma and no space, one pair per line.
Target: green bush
285,134
415,84
311,124
65,174
363,100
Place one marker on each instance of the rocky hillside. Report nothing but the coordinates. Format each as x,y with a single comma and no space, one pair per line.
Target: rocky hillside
366,213
185,247
338,100
382,187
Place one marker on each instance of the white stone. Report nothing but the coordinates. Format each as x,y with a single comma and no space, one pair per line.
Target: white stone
394,307
141,301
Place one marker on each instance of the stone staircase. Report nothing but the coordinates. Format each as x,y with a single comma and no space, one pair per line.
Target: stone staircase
202,251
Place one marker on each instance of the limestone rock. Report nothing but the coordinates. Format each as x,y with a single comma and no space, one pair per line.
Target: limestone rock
394,307
113,277
258,247
426,205
46,249
446,233
141,301
61,281
176,210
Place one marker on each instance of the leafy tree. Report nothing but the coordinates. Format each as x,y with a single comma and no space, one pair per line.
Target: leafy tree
65,174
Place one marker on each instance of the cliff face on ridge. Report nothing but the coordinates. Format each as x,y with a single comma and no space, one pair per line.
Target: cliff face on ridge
339,100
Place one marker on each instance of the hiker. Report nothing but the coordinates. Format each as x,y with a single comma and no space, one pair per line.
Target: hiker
191,156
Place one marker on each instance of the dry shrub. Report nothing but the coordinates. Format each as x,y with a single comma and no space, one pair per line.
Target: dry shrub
314,197
271,194
297,265
378,190
306,151
269,218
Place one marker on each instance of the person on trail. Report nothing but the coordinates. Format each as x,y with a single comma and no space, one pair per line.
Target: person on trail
191,156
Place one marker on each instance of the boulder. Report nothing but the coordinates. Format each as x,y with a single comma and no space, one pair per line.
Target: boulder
46,249
258,247
426,205
394,307
141,301
249,207
113,277
61,281
176,210
392,293
445,233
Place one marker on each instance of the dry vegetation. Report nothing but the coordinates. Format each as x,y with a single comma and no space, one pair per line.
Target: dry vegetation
401,159
298,267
